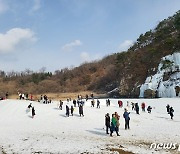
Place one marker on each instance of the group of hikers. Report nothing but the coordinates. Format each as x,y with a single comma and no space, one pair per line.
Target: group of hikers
25,96
135,106
70,108
93,103
45,100
113,124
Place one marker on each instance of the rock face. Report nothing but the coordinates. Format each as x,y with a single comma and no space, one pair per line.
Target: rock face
166,82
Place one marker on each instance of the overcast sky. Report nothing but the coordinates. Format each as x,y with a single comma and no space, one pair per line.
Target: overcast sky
65,33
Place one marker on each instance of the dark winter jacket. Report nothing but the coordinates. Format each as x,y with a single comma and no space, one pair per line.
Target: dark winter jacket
81,109
33,111
107,120
126,115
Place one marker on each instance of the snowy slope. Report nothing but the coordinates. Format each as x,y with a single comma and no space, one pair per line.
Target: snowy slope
52,132
156,83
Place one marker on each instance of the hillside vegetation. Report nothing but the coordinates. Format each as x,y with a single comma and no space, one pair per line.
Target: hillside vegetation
125,70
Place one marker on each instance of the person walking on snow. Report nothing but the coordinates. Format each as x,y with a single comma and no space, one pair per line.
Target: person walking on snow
60,104
143,106
33,112
133,106
107,122
120,103
81,110
149,109
127,118
117,116
7,94
108,102
74,102
67,110
168,107
171,110
92,103
137,108
113,126
72,109
98,104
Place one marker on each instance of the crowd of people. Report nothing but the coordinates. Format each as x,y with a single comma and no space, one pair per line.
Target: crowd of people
112,123
25,96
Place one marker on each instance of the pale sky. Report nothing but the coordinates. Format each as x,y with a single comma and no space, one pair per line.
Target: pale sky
65,33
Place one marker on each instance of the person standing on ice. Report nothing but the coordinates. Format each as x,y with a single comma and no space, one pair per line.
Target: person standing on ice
168,107
67,110
7,94
137,108
92,103
33,112
81,110
72,109
74,102
171,110
117,116
108,102
107,122
113,126
98,103
86,97
60,104
120,103
133,106
149,109
31,97
143,106
127,118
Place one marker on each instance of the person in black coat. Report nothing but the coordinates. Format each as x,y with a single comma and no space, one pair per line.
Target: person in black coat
137,108
127,118
149,109
171,110
7,94
30,105
168,107
67,110
81,110
33,112
72,109
60,104
74,102
107,122
98,104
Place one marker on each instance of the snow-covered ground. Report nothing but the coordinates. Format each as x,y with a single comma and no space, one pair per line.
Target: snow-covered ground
52,132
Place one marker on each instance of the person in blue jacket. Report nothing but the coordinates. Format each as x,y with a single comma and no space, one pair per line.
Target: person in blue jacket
127,118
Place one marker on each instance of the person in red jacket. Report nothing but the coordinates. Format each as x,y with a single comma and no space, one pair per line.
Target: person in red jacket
143,106
120,103
31,96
